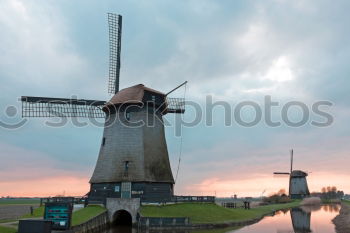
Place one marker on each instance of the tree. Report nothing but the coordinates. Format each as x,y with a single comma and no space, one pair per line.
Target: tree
281,192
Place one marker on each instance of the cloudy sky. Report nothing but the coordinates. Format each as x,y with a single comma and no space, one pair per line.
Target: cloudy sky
232,51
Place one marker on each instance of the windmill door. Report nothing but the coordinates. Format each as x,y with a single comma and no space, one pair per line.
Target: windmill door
126,190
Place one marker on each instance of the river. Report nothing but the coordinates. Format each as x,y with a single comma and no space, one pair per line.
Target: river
297,220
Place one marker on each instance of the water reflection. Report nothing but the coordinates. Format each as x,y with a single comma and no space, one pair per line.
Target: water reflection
297,220
301,220
122,229
331,208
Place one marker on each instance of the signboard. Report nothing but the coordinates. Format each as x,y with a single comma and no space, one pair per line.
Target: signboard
60,214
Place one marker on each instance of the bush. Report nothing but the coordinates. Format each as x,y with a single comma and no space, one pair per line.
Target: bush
276,199
311,201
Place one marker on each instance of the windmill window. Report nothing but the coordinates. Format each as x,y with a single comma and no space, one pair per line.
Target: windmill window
127,116
126,166
103,141
153,98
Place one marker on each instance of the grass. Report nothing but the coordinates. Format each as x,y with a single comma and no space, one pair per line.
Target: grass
346,201
86,214
38,212
4,201
7,220
78,217
7,230
211,213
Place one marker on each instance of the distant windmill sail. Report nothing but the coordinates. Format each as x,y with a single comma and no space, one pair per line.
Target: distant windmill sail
115,34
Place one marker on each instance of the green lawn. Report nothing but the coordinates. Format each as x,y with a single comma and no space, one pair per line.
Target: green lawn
38,212
210,213
4,201
7,230
86,214
78,217
346,201
7,220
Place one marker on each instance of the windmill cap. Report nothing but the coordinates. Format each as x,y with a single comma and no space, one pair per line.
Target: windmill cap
298,173
131,95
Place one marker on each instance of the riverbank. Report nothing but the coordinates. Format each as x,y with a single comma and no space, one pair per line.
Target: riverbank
342,221
78,217
208,215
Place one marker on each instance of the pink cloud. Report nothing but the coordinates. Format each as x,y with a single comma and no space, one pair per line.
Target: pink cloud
32,173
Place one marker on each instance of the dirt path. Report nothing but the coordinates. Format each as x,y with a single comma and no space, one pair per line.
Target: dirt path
342,221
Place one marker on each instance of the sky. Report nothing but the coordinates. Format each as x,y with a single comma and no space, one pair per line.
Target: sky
231,51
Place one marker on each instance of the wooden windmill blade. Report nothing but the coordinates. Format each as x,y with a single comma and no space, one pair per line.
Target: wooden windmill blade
61,107
281,173
115,34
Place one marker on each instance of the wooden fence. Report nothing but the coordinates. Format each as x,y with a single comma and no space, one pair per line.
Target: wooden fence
210,199
169,222
73,200
179,199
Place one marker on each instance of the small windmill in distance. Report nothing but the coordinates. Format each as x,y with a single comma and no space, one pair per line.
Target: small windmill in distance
298,187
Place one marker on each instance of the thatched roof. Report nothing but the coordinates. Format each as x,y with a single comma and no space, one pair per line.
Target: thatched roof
298,173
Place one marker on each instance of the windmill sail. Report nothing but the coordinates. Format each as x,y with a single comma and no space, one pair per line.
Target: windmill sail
281,173
115,34
60,107
175,105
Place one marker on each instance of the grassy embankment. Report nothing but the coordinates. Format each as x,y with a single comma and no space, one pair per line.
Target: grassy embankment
7,230
78,217
37,213
86,214
212,213
346,202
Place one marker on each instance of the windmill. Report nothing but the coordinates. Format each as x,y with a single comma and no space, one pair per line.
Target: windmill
298,187
133,162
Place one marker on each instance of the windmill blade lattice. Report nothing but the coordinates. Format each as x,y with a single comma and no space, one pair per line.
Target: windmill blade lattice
115,33
60,107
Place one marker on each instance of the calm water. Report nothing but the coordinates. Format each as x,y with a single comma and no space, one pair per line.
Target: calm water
298,220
